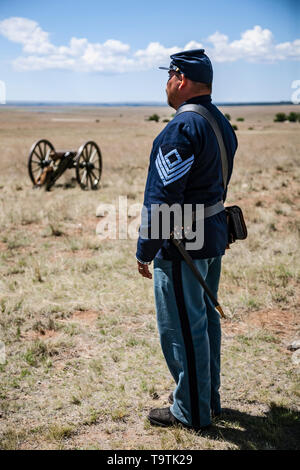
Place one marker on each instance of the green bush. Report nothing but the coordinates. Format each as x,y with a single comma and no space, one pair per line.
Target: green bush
154,117
280,117
228,116
294,117
240,119
235,127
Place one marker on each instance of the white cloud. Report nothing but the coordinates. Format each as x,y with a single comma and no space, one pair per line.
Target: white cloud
154,55
45,63
290,50
193,45
105,57
114,56
76,48
255,45
28,33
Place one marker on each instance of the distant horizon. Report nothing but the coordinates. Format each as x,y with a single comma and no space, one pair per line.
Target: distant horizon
40,103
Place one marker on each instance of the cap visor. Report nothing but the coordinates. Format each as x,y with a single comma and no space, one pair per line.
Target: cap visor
164,68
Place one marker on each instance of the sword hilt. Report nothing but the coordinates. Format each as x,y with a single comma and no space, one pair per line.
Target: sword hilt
220,310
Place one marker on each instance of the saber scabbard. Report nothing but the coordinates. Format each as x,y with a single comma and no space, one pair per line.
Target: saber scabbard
178,243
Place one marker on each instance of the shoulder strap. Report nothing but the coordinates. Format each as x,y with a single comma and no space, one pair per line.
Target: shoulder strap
199,109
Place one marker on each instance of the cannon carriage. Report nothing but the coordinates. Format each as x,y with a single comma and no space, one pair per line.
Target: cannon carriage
46,165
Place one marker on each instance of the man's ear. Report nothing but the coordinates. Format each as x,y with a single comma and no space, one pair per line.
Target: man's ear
183,82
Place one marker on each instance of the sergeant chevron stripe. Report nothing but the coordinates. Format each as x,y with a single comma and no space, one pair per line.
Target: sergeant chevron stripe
170,171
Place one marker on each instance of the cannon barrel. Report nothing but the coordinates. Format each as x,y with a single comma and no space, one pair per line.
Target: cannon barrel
58,154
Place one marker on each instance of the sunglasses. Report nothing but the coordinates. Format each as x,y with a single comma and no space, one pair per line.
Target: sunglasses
171,74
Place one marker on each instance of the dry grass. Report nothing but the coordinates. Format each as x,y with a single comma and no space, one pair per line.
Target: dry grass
84,364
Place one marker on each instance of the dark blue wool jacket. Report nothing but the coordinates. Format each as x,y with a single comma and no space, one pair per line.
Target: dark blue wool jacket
185,168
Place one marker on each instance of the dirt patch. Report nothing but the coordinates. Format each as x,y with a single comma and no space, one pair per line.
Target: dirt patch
87,316
93,436
283,323
3,246
41,334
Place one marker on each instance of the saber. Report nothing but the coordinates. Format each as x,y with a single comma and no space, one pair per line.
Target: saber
178,243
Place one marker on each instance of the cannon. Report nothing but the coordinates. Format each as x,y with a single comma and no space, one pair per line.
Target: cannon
46,165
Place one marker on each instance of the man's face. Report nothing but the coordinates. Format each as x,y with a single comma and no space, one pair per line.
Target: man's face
172,88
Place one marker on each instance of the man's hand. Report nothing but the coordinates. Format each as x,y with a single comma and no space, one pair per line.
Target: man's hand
143,269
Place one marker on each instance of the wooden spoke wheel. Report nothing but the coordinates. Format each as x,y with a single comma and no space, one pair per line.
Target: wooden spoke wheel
89,165
41,162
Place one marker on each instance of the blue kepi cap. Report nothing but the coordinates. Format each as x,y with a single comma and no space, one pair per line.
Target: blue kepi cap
194,64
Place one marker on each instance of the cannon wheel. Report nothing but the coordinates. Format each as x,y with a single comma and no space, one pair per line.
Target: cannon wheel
88,165
39,161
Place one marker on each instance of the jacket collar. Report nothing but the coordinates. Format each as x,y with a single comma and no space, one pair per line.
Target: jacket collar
198,100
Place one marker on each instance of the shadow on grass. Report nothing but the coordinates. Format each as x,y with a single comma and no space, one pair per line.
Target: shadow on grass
278,429
70,183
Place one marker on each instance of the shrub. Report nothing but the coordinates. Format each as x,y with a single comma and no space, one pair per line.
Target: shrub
235,127
153,117
294,117
240,119
280,117
228,116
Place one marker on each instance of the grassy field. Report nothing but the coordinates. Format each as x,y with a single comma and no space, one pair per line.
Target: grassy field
83,361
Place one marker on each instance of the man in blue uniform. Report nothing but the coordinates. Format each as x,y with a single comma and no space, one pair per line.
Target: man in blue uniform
185,168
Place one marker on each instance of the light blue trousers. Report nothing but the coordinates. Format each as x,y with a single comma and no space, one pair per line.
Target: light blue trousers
190,336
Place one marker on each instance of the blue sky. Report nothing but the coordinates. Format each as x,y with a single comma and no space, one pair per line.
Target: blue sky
117,47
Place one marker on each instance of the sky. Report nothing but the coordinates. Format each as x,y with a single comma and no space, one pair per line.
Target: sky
110,51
